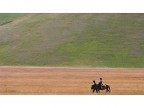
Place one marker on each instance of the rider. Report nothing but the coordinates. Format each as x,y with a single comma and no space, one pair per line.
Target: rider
101,83
94,82
95,86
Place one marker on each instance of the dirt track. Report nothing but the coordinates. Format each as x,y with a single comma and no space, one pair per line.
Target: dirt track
67,81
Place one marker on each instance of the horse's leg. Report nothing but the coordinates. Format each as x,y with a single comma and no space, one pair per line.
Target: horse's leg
96,90
107,90
99,89
93,90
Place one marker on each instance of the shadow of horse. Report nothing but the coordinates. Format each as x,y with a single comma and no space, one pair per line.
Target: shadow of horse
97,88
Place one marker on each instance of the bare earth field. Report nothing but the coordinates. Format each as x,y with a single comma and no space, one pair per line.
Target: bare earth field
69,81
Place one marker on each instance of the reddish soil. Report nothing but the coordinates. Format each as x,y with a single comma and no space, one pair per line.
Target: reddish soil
69,81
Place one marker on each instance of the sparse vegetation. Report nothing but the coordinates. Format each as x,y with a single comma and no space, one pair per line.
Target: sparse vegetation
3,23
67,81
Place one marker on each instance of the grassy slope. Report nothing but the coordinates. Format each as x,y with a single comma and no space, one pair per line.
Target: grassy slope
98,40
6,18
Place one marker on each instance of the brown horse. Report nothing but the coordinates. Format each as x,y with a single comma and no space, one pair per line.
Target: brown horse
98,87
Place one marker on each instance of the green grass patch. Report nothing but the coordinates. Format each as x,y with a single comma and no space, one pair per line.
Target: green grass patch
93,40
6,18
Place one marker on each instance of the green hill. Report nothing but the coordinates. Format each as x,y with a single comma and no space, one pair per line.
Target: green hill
93,40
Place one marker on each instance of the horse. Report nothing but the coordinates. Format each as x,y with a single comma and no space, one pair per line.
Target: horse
97,88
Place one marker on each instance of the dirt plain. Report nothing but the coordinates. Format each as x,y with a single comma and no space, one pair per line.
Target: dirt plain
69,81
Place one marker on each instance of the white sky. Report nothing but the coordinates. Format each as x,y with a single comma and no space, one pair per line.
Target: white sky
72,6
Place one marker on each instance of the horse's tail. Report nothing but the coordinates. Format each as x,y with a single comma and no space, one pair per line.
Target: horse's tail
108,88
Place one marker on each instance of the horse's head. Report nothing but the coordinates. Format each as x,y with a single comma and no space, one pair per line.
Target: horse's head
93,86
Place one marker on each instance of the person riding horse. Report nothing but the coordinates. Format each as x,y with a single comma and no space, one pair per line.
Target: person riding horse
101,83
100,86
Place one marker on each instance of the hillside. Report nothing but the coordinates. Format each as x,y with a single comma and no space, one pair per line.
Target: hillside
92,40
6,18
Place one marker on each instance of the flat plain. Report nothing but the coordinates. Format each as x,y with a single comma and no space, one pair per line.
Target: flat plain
69,81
